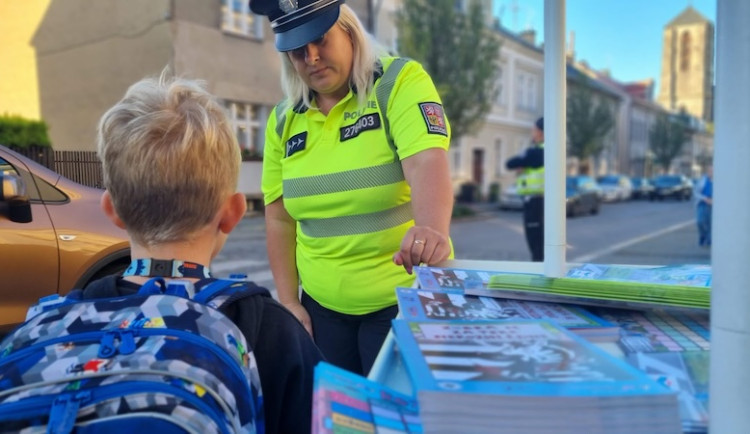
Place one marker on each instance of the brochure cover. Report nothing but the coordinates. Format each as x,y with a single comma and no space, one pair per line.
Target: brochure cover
344,402
451,278
683,274
654,331
684,373
419,304
514,357
674,349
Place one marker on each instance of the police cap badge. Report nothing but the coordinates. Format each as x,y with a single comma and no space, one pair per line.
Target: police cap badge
296,23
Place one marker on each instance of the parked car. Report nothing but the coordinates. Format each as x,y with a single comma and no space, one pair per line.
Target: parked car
642,188
510,199
679,187
54,236
615,187
582,196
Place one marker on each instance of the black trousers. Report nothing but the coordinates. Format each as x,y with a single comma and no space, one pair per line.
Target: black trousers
533,223
351,342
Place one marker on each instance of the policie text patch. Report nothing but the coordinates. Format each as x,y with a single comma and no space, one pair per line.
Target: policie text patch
364,123
434,118
295,143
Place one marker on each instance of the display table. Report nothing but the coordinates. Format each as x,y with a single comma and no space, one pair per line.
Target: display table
670,345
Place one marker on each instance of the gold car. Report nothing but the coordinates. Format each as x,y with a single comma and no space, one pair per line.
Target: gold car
53,236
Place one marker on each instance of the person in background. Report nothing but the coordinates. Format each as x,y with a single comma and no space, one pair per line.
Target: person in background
530,185
355,178
704,198
171,163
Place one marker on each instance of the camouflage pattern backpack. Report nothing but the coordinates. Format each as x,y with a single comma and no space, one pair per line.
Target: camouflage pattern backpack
162,360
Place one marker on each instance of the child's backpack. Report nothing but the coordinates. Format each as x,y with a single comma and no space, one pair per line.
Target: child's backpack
159,361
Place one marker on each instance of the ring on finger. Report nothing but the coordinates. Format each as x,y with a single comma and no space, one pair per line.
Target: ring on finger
418,241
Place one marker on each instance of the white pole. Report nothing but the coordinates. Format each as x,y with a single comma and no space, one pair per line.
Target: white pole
729,385
554,138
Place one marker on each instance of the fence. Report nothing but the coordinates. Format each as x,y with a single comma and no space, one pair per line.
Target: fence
83,167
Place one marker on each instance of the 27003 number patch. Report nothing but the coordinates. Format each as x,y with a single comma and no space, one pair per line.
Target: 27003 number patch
364,123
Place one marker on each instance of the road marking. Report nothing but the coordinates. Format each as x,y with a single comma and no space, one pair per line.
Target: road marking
612,249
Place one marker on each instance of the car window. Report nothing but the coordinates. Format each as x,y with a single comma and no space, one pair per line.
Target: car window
37,188
48,192
6,167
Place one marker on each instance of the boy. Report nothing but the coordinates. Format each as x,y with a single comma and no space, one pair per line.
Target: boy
171,163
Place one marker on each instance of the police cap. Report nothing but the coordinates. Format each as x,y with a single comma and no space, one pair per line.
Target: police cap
296,23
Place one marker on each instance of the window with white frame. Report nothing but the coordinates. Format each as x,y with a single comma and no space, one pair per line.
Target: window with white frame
526,91
502,97
237,18
520,89
499,157
531,93
249,124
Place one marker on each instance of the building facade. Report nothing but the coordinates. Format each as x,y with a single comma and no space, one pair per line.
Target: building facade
78,57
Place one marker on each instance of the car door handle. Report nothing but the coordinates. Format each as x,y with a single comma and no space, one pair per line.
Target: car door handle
67,237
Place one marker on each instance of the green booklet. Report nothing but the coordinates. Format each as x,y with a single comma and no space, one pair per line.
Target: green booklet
608,293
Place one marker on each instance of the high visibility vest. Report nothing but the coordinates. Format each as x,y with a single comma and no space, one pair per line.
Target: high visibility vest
531,181
341,179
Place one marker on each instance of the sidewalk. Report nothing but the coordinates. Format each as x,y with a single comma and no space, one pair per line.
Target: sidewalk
676,245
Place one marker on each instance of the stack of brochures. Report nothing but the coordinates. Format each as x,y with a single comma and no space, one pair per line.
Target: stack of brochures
674,349
614,293
417,304
526,376
344,402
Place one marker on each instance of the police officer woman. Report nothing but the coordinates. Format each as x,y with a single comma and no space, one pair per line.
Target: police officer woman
355,177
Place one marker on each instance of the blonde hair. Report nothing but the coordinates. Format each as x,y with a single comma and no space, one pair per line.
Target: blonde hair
365,56
170,158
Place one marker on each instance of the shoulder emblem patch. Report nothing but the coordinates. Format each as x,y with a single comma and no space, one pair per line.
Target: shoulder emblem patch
434,117
295,144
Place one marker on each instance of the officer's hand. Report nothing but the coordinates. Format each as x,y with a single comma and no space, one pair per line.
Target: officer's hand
422,245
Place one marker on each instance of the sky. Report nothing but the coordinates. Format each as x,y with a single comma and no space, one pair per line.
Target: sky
624,36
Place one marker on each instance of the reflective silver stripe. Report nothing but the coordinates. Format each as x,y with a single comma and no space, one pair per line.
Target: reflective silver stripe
357,224
280,118
349,180
383,94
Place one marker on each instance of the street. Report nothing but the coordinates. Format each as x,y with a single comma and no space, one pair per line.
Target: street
633,232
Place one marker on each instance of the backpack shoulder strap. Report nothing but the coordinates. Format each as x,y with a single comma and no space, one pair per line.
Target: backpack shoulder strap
383,94
217,292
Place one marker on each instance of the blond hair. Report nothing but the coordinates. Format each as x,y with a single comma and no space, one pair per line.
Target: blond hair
170,158
365,56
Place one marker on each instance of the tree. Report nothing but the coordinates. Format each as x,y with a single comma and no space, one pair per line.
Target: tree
459,51
667,138
587,125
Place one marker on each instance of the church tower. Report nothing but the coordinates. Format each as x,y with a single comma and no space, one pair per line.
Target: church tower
687,65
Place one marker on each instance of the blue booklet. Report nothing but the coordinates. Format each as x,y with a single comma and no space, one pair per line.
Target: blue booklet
418,304
517,358
344,402
457,279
